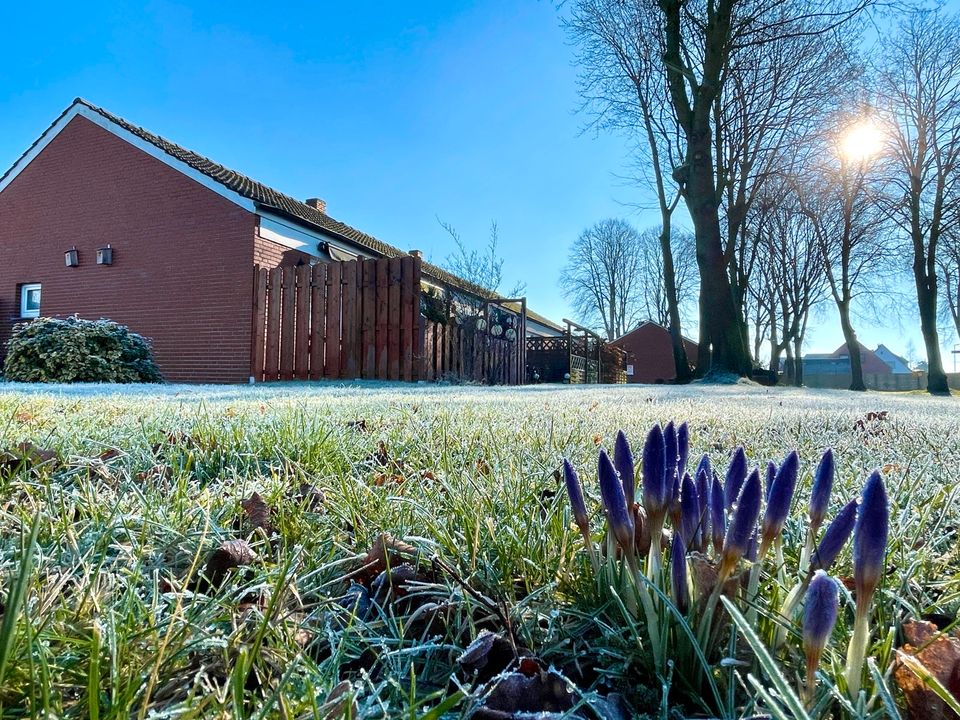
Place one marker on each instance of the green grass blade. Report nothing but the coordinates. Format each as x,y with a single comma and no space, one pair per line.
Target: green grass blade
769,665
16,597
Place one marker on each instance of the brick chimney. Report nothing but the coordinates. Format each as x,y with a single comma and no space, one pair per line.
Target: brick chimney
317,204
416,254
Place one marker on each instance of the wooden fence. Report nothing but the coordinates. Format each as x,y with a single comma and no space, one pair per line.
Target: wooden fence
456,352
361,319
345,320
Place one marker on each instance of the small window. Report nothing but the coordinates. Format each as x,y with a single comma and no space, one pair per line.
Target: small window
30,300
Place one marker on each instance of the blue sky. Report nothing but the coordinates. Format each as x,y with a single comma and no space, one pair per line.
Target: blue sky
396,114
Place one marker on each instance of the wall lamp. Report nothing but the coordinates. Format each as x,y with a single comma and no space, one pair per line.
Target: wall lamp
71,258
105,255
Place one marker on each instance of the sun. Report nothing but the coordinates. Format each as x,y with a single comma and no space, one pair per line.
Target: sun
862,141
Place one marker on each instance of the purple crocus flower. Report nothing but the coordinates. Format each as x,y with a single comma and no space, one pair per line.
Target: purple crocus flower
771,476
619,518
819,616
743,522
683,448
870,539
689,512
575,492
752,548
835,537
678,574
736,473
655,488
623,461
718,515
822,487
703,497
674,508
779,499
672,448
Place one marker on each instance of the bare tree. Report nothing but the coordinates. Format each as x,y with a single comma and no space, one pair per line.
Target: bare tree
839,198
700,41
793,281
623,83
483,268
919,93
949,265
653,292
604,274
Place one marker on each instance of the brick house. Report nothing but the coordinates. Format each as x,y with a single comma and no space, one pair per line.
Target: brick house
102,218
650,353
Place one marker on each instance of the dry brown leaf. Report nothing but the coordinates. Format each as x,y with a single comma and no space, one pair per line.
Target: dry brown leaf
939,653
231,554
257,512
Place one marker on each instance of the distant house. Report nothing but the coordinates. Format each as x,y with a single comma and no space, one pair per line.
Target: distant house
838,362
898,365
650,353
103,218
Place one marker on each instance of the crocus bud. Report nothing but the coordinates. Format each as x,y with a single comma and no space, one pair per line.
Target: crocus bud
718,515
672,450
678,574
819,616
771,476
703,498
619,518
736,473
683,448
655,488
778,502
675,501
689,511
575,492
623,461
835,537
870,539
743,522
822,486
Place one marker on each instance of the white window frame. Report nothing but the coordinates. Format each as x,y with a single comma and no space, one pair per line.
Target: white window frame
25,290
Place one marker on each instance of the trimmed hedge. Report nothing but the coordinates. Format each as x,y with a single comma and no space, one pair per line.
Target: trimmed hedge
75,350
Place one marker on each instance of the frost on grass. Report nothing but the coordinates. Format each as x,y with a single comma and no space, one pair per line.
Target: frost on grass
149,483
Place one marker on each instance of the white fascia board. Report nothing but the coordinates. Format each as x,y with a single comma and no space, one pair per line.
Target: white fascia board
280,230
543,330
138,142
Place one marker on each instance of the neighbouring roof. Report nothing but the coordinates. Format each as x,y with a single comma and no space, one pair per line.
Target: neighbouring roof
651,323
277,201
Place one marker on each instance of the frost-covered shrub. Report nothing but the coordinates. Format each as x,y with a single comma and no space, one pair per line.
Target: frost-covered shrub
75,350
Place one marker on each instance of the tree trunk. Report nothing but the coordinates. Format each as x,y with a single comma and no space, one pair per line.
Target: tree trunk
720,320
680,363
789,365
798,361
927,302
853,347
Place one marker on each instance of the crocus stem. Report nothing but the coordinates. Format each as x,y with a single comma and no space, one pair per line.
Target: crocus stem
588,541
807,552
654,559
787,611
754,583
651,618
857,650
810,686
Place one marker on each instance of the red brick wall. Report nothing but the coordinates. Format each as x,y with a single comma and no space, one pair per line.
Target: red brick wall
183,255
270,254
651,354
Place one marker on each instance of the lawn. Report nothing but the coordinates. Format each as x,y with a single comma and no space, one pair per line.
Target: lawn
134,606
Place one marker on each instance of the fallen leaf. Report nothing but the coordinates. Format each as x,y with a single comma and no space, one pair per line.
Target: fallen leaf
386,551
340,703
231,554
310,496
257,512
939,653
510,694
483,467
